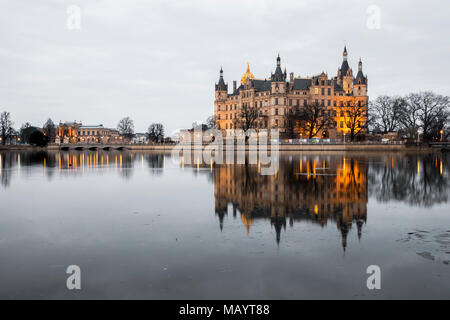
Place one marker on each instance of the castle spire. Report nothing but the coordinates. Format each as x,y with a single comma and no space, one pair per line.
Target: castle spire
278,75
345,53
360,65
221,84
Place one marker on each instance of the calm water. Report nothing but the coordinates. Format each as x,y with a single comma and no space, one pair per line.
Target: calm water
141,226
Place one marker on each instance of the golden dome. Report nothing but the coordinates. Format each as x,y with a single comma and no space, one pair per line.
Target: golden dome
247,75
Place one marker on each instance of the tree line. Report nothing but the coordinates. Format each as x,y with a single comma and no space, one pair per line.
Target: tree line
308,120
155,132
425,112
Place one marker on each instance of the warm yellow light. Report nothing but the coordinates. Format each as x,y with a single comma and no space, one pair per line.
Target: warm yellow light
247,75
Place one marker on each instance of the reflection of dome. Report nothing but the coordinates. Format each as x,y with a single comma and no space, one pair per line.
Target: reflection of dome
247,221
247,75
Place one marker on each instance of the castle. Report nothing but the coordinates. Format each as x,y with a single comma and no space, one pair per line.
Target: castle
278,97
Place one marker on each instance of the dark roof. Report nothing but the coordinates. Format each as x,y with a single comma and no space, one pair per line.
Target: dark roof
221,85
344,68
360,76
337,87
278,75
301,84
236,93
261,85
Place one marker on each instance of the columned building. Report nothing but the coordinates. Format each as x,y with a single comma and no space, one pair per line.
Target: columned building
279,97
74,132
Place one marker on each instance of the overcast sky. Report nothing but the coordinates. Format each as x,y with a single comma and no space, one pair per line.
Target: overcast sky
157,61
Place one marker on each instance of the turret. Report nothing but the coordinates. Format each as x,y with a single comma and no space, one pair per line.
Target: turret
278,75
345,74
360,82
278,78
221,88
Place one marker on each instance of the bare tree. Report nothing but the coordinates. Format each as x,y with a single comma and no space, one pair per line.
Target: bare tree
6,129
290,123
247,118
410,115
427,111
355,117
434,113
314,118
126,128
50,130
385,112
25,132
155,132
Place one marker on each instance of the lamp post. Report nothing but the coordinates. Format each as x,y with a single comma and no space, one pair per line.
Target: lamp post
344,137
442,132
418,137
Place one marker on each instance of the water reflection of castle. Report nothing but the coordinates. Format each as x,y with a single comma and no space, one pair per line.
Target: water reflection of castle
312,188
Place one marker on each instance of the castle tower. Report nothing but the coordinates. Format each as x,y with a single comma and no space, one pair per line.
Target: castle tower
345,74
221,88
360,83
278,100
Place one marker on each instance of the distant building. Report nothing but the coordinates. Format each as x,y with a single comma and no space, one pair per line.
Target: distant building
192,135
74,132
279,96
140,138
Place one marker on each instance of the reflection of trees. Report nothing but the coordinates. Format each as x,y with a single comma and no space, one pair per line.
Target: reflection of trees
414,179
5,165
126,165
155,163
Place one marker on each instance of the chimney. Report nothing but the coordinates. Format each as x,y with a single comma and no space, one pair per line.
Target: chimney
234,86
291,77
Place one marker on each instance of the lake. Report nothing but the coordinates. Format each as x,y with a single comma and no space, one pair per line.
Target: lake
140,225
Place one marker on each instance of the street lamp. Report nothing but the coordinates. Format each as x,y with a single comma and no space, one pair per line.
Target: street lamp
344,137
442,132
418,137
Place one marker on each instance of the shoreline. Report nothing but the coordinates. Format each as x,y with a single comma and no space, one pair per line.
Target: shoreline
281,148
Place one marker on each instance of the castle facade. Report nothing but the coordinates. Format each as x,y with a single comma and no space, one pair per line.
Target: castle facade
280,98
